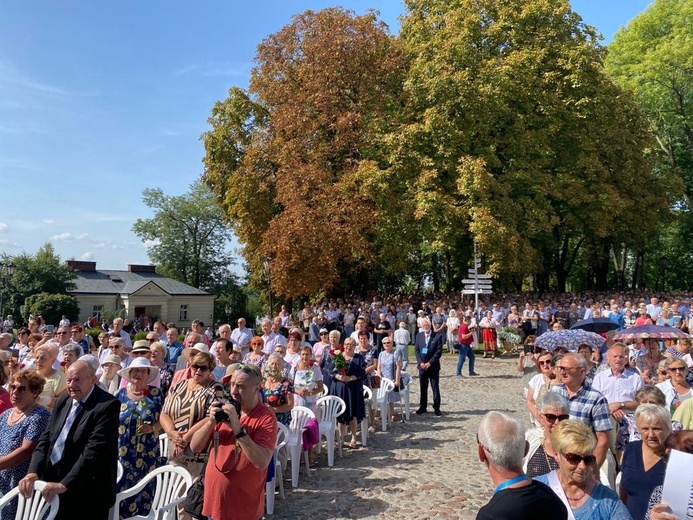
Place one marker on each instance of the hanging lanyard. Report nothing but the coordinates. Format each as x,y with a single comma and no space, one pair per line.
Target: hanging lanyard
510,482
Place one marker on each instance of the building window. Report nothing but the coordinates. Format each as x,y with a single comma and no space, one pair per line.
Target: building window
97,311
183,315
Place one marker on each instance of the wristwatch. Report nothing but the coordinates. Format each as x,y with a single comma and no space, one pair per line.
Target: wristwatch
241,433
623,405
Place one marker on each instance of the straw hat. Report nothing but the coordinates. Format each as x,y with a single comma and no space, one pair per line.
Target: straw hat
139,362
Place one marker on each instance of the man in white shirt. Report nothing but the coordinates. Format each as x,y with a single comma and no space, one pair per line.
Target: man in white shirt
118,331
618,385
271,339
241,336
654,309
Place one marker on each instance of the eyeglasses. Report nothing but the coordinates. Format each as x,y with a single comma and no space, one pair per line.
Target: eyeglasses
17,388
61,333
323,333
141,353
552,418
548,362
566,369
575,459
479,443
23,333
151,340
677,369
201,368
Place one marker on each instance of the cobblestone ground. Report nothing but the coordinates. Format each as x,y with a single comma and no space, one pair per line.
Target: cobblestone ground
425,468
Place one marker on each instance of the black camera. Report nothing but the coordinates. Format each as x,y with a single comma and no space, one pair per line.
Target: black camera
221,415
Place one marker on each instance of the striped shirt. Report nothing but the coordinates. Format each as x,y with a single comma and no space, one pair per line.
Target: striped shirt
587,406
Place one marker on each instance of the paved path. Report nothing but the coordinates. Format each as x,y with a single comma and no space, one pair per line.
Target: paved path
426,468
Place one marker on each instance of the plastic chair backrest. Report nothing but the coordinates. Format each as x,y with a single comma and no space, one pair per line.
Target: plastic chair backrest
386,386
35,507
163,445
171,482
282,436
329,407
300,415
406,379
367,393
120,471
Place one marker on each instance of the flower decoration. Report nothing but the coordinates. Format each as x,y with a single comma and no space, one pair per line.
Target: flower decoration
339,361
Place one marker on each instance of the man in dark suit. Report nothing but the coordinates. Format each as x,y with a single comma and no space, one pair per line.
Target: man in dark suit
77,455
428,347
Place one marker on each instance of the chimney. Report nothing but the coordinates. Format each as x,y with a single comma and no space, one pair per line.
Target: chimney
78,265
136,268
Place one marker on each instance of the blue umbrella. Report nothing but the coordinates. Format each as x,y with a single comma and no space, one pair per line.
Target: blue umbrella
568,338
598,325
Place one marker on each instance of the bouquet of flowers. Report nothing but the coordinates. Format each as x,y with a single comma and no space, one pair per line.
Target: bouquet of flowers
510,335
338,360
140,409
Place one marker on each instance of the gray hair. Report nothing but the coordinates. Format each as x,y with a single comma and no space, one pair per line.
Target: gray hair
276,355
671,360
74,348
266,320
654,414
579,358
7,336
553,400
503,439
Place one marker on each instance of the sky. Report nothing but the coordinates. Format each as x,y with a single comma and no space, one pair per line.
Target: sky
100,100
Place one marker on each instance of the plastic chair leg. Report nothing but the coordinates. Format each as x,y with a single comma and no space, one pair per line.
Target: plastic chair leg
364,431
329,436
407,409
305,459
278,471
269,496
295,464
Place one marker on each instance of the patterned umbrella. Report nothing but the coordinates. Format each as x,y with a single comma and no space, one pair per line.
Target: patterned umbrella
568,338
597,325
651,332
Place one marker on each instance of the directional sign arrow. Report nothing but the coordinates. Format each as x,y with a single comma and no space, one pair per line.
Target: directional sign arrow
477,280
472,291
472,272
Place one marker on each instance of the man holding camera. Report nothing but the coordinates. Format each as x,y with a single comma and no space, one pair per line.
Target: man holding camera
241,448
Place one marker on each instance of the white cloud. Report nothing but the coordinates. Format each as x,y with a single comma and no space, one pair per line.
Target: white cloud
100,245
151,243
69,237
3,226
8,243
48,221
87,257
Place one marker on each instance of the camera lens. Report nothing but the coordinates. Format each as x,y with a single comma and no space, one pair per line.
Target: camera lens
221,416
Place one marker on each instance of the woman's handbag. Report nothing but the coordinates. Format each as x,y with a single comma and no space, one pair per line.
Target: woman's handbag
375,381
196,495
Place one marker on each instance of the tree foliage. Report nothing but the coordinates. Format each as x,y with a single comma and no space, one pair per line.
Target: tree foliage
518,134
51,307
189,236
285,157
41,273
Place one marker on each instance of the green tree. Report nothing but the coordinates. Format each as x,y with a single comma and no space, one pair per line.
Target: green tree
41,273
189,236
518,139
51,307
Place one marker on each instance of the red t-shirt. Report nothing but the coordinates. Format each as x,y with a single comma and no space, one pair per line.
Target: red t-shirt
241,490
463,331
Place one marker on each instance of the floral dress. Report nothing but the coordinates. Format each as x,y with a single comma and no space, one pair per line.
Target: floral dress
11,437
306,380
138,453
370,359
388,368
277,396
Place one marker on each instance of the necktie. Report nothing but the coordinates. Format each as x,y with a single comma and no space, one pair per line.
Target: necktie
427,337
59,445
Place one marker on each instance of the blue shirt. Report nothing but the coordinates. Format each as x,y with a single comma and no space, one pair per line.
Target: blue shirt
637,482
587,406
173,352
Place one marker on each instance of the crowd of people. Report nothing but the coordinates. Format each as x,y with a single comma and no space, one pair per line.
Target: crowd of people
72,405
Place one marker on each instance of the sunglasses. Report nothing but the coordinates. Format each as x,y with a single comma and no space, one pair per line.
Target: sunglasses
201,368
566,369
545,362
677,369
575,459
323,333
17,388
61,333
552,418
151,340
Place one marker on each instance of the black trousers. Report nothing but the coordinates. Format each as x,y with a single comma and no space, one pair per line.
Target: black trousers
426,377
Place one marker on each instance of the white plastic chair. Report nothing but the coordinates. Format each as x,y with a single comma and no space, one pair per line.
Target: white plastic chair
386,386
35,507
120,471
282,436
327,409
300,415
172,484
404,394
163,446
368,398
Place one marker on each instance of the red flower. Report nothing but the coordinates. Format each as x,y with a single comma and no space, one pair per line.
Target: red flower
311,363
145,392
63,363
272,399
21,366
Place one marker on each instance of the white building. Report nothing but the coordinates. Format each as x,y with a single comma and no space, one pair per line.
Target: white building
140,291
